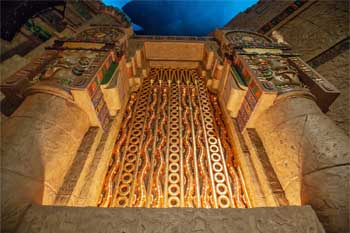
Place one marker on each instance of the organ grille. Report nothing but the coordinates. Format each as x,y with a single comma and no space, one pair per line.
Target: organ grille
173,149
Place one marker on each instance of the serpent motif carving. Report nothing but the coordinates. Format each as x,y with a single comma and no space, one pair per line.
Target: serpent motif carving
173,149
159,152
106,198
205,199
188,154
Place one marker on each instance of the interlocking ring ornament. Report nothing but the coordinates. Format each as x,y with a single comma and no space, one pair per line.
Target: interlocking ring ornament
173,149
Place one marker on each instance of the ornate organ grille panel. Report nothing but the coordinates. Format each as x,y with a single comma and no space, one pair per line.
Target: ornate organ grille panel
172,149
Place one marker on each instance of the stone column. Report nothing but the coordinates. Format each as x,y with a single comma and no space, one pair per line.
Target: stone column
133,63
139,58
38,144
129,69
310,156
210,60
218,72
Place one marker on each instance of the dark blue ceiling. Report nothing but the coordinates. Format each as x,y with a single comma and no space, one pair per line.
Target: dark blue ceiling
173,17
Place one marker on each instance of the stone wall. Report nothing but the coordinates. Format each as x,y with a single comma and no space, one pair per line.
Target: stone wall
257,15
337,71
315,29
183,51
311,157
38,145
180,220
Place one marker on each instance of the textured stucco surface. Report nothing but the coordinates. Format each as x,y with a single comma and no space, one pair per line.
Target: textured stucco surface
11,65
310,33
174,220
317,28
311,157
257,15
337,72
38,145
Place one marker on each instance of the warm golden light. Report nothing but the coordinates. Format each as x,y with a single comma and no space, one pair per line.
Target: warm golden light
173,149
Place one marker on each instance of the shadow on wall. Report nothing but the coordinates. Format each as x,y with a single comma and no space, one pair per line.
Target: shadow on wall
38,145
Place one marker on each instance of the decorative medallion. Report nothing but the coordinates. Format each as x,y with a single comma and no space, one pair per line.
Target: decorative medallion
103,34
247,39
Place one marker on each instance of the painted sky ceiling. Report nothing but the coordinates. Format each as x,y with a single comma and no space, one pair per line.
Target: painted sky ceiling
192,18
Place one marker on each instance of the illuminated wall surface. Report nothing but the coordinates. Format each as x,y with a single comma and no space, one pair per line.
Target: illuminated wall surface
190,18
173,150
218,124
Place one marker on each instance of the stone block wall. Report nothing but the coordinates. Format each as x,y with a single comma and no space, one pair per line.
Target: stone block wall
337,71
317,28
255,16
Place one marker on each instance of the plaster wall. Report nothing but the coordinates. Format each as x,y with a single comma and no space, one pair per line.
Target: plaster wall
317,28
310,33
181,51
257,15
175,64
311,157
38,145
135,220
337,72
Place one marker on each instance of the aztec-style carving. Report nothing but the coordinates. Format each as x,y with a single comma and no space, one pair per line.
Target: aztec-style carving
118,15
268,69
37,30
105,34
75,71
247,39
175,124
273,71
81,9
169,153
54,19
